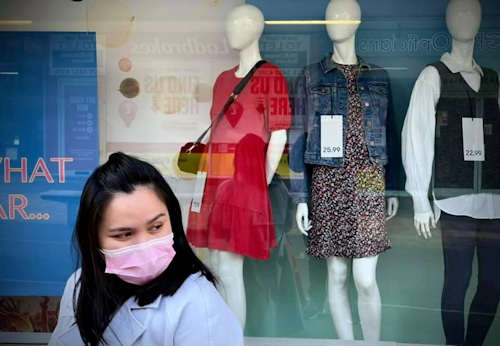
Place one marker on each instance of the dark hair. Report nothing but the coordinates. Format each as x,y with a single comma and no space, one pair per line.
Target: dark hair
97,296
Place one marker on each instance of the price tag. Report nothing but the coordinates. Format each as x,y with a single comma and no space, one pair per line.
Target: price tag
332,144
201,178
473,139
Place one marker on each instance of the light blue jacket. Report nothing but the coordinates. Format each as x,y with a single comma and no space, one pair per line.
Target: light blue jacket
194,315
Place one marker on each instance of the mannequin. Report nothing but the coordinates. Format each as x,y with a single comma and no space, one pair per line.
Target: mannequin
364,268
463,19
244,26
469,218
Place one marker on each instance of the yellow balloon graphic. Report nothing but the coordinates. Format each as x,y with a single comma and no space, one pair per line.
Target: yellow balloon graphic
203,93
214,3
111,20
169,95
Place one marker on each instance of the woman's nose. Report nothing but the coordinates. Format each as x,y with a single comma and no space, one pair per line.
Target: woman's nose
144,236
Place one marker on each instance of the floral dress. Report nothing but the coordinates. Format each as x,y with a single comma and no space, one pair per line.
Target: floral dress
348,204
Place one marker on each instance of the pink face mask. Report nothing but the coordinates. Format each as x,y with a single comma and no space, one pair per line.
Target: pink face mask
140,263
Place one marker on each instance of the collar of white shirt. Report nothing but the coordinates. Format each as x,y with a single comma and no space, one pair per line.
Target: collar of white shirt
456,66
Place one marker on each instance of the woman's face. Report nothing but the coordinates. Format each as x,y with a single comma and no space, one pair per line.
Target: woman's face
133,218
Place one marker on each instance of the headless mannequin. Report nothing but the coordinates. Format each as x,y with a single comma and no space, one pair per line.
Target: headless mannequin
244,27
471,221
364,269
463,18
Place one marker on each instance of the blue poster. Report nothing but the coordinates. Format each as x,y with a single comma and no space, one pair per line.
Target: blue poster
48,147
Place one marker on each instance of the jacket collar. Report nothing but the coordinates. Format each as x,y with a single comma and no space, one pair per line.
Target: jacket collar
124,326
327,64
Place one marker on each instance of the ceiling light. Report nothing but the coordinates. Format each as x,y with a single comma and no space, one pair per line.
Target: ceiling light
16,22
311,22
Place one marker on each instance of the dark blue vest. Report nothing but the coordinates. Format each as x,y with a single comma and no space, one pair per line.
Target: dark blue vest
452,175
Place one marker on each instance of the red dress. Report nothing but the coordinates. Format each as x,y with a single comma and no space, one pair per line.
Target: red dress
236,212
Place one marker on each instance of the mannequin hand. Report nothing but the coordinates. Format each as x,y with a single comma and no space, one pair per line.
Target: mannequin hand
392,207
302,218
423,223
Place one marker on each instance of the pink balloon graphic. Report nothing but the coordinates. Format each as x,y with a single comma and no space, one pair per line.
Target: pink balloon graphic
127,110
125,64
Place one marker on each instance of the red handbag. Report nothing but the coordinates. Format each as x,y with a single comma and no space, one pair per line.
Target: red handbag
190,153
190,156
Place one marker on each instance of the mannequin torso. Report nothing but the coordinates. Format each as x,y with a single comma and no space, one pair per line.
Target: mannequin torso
244,27
343,37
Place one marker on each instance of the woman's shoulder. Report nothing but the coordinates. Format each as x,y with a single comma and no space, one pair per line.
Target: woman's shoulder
199,314
196,286
196,293
74,277
69,290
72,281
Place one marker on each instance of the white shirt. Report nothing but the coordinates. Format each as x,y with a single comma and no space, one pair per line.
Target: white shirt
417,141
194,315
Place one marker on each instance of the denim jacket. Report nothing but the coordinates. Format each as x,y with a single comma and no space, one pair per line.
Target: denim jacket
321,89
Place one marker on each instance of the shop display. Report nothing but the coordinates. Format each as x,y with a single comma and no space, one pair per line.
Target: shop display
341,108
302,140
244,149
450,143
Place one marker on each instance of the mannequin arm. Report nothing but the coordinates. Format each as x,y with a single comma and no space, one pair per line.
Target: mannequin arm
418,137
274,151
392,207
302,218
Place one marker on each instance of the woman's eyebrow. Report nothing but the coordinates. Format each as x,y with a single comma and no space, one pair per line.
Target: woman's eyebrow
120,229
127,229
156,217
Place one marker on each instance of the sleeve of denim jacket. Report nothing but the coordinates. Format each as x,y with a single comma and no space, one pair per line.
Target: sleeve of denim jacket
299,186
394,167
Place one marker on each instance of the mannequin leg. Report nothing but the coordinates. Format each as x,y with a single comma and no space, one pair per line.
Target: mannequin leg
485,302
338,297
459,240
369,305
228,268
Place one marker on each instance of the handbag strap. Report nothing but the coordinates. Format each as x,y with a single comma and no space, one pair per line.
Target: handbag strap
234,95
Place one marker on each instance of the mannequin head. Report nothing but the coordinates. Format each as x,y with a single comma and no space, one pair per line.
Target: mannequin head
463,18
342,10
244,26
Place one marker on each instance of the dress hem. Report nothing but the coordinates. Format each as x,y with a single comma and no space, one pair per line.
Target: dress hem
370,254
205,245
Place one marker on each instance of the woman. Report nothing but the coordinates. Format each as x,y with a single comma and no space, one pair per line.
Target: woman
139,281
